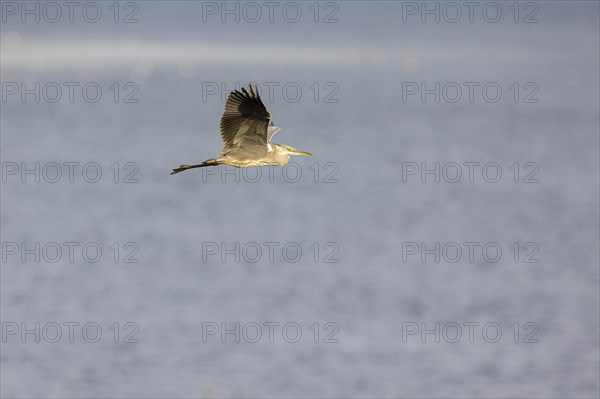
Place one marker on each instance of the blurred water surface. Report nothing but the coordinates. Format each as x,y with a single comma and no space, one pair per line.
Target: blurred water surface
368,212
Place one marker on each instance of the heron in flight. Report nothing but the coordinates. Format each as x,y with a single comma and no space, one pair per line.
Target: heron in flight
247,130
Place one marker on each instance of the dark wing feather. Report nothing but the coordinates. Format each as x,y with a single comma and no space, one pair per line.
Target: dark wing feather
245,119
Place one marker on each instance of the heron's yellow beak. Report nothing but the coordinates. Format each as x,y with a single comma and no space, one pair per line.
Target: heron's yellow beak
298,152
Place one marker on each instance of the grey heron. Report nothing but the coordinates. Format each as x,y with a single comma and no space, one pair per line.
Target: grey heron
247,130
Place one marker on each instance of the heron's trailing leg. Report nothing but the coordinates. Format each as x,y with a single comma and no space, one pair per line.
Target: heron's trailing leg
210,162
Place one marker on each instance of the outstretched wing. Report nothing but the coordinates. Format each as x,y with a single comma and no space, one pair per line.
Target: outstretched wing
245,119
271,130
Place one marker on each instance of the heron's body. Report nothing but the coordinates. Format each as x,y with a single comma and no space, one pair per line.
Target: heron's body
246,130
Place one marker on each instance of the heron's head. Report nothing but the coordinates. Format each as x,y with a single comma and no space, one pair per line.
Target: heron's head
292,151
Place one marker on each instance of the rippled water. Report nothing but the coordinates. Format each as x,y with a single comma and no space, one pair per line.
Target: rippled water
342,225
